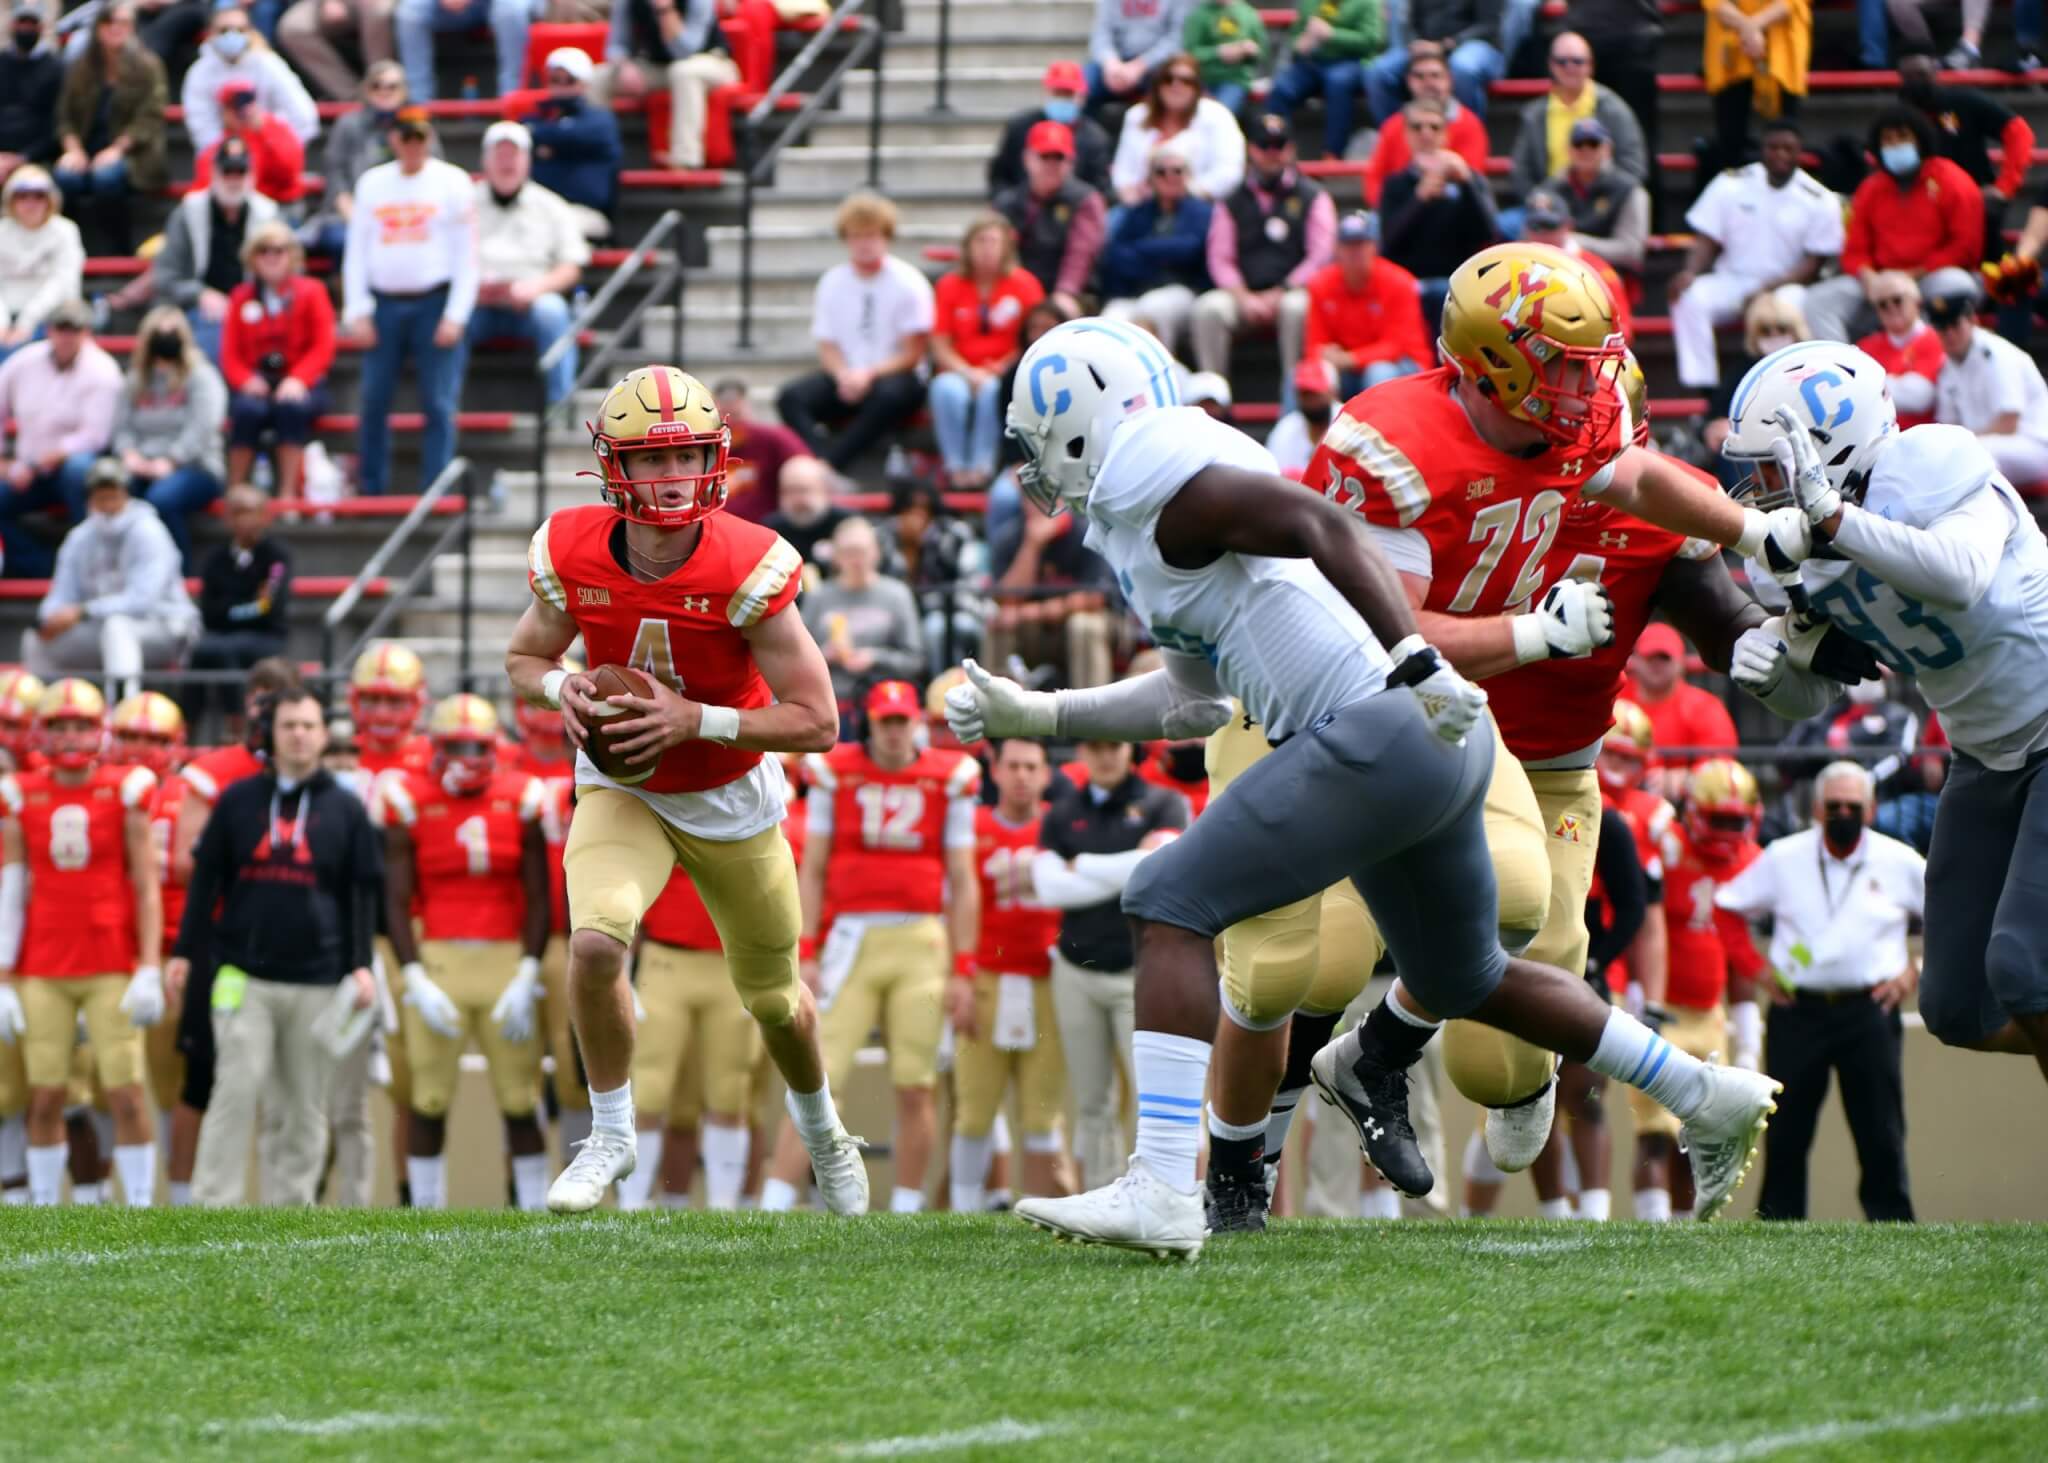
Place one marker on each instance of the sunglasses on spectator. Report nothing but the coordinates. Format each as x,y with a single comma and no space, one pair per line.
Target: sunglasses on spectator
1585,142
262,249
1890,300
1571,60
1171,170
1425,126
1182,79
1841,807
390,83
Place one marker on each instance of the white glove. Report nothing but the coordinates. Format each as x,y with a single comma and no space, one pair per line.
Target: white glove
1746,1035
1799,461
1575,619
143,1001
514,1011
1757,663
13,1025
986,705
431,1002
1788,540
1450,703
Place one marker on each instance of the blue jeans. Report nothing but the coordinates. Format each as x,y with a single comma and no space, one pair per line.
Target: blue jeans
288,422
1873,34
1518,18
176,497
264,15
103,183
1335,81
1377,374
417,21
1100,96
405,328
1475,65
544,323
206,335
1231,95
966,422
28,555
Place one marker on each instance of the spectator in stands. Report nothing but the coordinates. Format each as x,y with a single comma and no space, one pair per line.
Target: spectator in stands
1544,141
1768,325
201,261
1052,597
872,320
167,429
308,30
1987,384
806,515
1906,346
110,124
1610,210
1624,36
277,159
1756,57
1154,265
409,282
1174,110
1328,47
1211,393
978,318
117,602
1428,75
417,22
1765,227
1681,714
234,48
42,258
1547,219
1228,40
1910,19
672,43
1364,313
576,146
530,258
866,622
1295,437
30,78
1060,221
245,591
1131,39
946,566
59,397
1064,89
275,353
1968,121
1436,211
760,449
1267,239
1918,212
356,143
1477,38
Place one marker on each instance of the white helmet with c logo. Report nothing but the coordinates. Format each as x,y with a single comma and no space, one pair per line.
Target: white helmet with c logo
1075,387
1836,390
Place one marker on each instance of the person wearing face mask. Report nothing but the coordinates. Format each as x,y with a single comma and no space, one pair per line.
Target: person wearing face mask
1917,212
234,48
1295,436
167,430
30,76
1839,896
530,255
1065,87
1968,123
201,261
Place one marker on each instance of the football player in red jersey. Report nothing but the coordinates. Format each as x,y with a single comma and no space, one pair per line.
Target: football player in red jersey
890,856
1627,759
657,578
387,692
1002,1007
1712,959
19,693
77,839
545,753
465,835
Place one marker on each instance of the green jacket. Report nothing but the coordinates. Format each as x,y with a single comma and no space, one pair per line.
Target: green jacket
1359,28
135,110
1214,23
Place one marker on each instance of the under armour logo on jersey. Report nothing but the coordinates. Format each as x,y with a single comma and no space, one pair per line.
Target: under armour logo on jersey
1611,540
696,604
1573,468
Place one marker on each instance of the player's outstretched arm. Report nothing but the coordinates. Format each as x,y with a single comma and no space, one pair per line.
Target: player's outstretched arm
1657,489
805,716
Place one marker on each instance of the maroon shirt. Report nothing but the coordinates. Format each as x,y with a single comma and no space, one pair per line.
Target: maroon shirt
758,451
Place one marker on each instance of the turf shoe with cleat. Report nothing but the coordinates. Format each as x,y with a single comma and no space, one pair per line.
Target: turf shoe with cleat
1516,1135
1721,1138
841,1172
601,1160
1375,1099
1235,1204
1140,1211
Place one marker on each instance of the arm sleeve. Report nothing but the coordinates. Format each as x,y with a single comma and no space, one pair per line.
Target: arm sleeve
1059,887
818,814
2017,139
367,865
1962,203
1181,701
617,44
1948,564
294,102
1631,237
102,393
1319,239
1628,899
1856,239
355,256
312,368
461,237
960,821
1751,893
1084,243
1127,168
1630,153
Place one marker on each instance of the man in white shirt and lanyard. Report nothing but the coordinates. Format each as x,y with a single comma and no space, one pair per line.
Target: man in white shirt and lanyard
1839,895
1987,383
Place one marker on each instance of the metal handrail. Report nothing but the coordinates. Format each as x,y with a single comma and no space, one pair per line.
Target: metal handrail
400,597
344,603
940,107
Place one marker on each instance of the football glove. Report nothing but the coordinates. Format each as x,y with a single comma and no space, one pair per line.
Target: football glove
514,1010
1799,462
1788,542
13,1024
143,1001
1746,1035
1827,650
2012,280
1757,662
987,705
440,1013
1450,704
1575,619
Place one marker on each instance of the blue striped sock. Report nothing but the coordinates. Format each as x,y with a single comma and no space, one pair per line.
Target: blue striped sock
1172,1072
1630,1052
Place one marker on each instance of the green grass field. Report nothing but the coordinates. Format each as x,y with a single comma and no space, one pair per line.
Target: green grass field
396,1335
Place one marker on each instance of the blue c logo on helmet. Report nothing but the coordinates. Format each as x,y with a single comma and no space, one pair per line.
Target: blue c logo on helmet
1809,392
1056,364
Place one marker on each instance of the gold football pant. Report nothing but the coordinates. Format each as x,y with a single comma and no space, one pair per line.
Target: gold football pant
618,860
983,1071
13,1081
52,1009
688,995
1695,1032
164,1062
474,973
898,979
400,1090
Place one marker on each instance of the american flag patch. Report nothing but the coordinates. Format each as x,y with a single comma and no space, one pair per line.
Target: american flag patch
1136,403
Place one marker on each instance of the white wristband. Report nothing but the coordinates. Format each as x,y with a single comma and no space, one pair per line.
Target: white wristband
1755,529
529,968
551,688
1530,644
152,971
414,971
719,724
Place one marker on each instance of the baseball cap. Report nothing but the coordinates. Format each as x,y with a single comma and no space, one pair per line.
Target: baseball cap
236,89
1544,209
1206,386
508,131
27,9
31,180
572,60
1267,130
1948,295
1358,227
412,122
1314,374
894,698
1660,639
1589,129
73,314
1065,76
232,156
1050,137
106,472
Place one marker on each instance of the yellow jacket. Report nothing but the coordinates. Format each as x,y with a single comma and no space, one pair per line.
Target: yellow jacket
1788,47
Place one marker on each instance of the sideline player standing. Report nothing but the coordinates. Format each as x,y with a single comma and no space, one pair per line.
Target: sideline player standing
657,578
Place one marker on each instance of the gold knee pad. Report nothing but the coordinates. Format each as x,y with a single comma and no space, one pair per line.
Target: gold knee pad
1695,1032
13,1081
165,1062
1491,1067
1270,962
1350,950
1570,807
749,889
1521,864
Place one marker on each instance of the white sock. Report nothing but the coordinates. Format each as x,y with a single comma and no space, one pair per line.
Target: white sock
812,1112
906,1201
1236,1132
997,1199
724,1150
1479,1165
1403,1012
530,1181
1383,1202
1596,1205
1172,1072
180,1194
1568,1170
1281,1119
999,1134
672,1200
136,1164
46,1172
103,1128
969,1162
1554,1209
85,1193
1653,1205
428,1178
777,1197
637,1185
575,1127
613,1111
15,1196
1630,1052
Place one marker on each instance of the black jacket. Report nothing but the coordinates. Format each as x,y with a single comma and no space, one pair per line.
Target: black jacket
298,908
1431,237
251,597
28,102
1098,937
1092,149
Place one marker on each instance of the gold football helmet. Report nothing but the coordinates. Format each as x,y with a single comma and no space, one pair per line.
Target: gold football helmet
464,730
20,693
1624,758
661,407
71,723
1534,328
1635,390
387,686
1722,805
149,731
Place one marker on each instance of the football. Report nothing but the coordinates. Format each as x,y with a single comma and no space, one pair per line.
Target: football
618,680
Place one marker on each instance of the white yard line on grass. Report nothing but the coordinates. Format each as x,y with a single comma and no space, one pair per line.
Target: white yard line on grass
1532,1246
325,1427
1003,1430
1846,1432
123,1254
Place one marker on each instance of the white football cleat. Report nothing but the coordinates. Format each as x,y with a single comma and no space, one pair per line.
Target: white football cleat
601,1160
1140,1211
1721,1138
841,1172
1515,1136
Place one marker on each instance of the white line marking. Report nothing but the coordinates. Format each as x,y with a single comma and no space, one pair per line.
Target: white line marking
324,1427
1002,1430
206,1249
1845,1432
1531,1246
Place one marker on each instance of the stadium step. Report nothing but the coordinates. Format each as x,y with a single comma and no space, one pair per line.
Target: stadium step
1045,23
920,127
1008,87
809,247
811,208
959,167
